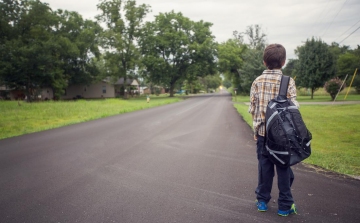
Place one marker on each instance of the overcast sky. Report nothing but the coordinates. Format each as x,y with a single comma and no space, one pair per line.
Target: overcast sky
289,22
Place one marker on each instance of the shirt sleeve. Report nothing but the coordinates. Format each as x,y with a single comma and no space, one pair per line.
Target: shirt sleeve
292,92
253,99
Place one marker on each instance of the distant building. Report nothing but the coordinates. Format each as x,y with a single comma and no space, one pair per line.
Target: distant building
102,89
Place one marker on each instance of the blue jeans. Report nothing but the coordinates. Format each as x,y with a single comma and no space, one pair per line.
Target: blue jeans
266,174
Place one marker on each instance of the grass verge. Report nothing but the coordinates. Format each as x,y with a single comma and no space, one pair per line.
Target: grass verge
336,135
33,117
304,96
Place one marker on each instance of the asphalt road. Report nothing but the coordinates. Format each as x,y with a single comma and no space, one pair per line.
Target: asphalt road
193,161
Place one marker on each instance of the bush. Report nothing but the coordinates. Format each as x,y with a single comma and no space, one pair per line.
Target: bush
332,87
356,83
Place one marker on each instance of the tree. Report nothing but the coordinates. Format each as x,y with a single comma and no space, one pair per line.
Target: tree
347,63
29,56
256,36
316,64
212,82
194,86
253,67
356,83
175,49
337,51
253,57
334,86
123,20
290,68
10,14
79,40
42,48
226,83
230,58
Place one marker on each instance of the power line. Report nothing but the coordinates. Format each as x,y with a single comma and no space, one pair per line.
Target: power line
316,21
347,30
333,19
350,34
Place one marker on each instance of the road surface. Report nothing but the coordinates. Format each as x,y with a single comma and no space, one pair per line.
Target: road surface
192,161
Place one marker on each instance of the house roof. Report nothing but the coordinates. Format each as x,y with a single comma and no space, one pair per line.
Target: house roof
120,81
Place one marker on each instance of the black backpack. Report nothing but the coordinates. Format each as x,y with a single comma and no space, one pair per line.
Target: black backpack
287,140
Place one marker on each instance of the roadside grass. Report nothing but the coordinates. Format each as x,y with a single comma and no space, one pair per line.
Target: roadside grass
304,96
33,117
336,135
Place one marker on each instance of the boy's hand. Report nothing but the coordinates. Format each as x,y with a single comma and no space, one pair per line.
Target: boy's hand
255,137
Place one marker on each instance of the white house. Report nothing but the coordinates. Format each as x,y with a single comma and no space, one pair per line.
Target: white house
102,89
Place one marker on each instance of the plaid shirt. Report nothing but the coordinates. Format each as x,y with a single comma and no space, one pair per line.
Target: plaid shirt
263,89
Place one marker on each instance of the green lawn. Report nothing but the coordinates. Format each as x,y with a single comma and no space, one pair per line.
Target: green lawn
319,96
26,118
336,135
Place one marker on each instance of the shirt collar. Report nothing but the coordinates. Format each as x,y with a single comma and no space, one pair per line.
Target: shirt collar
273,72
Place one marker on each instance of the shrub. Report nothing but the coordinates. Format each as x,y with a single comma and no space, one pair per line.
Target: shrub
356,83
332,87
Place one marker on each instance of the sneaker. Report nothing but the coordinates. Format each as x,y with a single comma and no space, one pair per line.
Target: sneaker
261,205
286,213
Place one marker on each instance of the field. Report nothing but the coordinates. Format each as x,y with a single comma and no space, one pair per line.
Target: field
18,118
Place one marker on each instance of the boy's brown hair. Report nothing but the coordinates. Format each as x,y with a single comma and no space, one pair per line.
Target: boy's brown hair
274,56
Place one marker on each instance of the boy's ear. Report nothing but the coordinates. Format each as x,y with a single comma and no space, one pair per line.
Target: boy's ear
283,63
264,63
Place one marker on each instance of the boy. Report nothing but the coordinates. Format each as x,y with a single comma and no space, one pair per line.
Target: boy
264,88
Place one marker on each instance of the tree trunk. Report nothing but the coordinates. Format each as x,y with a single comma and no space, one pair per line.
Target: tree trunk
312,93
28,94
172,86
54,97
124,87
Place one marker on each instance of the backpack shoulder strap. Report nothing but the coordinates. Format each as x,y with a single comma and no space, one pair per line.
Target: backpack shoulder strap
284,85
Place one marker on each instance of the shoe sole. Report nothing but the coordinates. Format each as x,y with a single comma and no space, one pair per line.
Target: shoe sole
293,210
285,215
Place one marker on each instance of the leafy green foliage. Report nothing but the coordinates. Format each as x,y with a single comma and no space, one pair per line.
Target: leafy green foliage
211,82
334,86
42,48
79,42
347,64
242,63
252,68
315,66
175,49
230,56
356,83
29,60
226,83
123,20
256,37
290,68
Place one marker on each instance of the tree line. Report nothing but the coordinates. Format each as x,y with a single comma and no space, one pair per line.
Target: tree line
317,62
41,47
